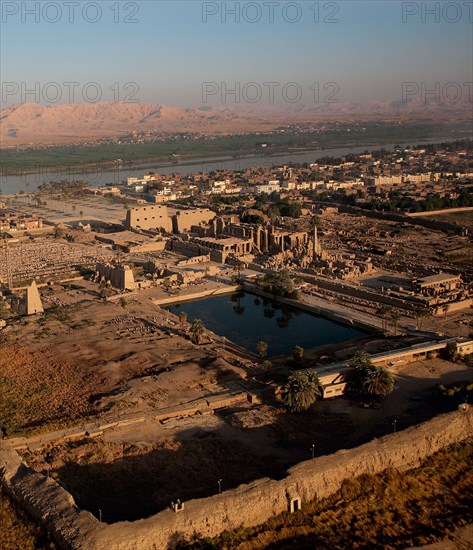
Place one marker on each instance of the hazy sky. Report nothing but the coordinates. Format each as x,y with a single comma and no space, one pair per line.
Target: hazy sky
367,49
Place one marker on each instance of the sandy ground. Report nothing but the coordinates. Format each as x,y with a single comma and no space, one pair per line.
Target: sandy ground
135,360
68,210
142,361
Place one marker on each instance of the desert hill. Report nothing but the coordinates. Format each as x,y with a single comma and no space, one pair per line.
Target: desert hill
33,123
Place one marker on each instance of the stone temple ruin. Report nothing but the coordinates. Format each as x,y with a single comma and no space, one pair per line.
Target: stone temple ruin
120,276
28,304
225,239
270,245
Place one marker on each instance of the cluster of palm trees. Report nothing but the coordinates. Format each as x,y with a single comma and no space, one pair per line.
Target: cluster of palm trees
301,390
421,313
389,316
197,331
303,387
369,379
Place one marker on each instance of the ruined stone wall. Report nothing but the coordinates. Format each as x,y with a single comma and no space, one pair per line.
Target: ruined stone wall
154,246
46,501
183,220
187,248
429,223
148,217
412,303
247,505
454,306
205,258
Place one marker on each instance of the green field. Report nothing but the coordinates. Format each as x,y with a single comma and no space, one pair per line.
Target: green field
34,160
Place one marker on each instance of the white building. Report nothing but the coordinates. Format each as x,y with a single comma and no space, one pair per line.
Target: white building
268,188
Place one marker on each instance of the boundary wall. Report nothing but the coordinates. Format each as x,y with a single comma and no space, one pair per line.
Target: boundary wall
247,505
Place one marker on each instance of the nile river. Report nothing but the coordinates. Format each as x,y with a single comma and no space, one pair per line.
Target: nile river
30,182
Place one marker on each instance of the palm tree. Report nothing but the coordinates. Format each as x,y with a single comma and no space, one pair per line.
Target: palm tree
183,317
361,364
312,377
262,348
395,317
197,330
377,381
301,390
298,353
239,267
360,360
368,378
420,313
383,312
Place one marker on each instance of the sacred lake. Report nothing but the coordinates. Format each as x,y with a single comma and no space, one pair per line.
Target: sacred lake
247,319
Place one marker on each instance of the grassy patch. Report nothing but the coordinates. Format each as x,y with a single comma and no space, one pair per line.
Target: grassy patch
17,531
386,511
37,390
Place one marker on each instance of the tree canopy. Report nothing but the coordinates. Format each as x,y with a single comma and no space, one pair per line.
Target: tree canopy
369,379
197,330
301,390
280,284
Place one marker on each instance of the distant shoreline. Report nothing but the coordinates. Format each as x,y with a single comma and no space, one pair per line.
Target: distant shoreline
226,155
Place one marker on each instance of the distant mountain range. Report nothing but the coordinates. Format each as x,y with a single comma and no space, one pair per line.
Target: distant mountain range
32,123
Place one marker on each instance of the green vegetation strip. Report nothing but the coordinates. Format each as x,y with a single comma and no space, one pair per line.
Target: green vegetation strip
386,511
171,148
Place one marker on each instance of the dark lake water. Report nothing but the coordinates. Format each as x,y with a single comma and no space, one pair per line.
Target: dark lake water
246,319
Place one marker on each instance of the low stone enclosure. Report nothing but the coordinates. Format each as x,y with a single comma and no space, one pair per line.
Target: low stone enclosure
247,505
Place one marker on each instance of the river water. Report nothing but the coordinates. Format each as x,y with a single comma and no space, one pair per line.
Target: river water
30,182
